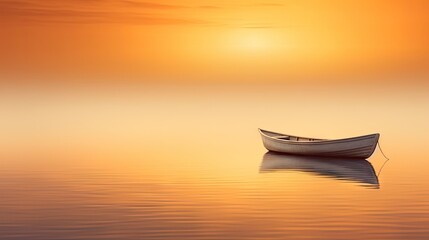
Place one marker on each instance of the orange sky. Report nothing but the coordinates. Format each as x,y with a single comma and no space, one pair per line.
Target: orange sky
214,41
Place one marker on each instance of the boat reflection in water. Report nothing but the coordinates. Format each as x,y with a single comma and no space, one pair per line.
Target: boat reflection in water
353,170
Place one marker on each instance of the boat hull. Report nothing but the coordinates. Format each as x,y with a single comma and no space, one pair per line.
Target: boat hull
356,147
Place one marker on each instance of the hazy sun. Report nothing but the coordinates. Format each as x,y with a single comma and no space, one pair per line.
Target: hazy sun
251,41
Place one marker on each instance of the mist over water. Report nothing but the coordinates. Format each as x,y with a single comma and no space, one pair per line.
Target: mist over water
169,162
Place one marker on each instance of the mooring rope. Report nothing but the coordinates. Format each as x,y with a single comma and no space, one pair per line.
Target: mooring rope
382,166
387,159
379,147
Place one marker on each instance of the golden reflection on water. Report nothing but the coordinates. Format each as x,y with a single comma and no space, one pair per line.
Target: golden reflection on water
161,164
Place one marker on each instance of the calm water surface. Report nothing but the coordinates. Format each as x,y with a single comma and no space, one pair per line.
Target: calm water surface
162,164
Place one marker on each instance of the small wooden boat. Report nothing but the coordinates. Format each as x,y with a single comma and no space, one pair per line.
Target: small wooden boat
353,170
355,147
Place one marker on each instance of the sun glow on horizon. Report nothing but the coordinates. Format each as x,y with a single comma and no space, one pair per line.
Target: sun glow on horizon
186,41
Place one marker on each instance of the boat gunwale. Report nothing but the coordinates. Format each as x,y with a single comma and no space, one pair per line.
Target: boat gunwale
320,141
